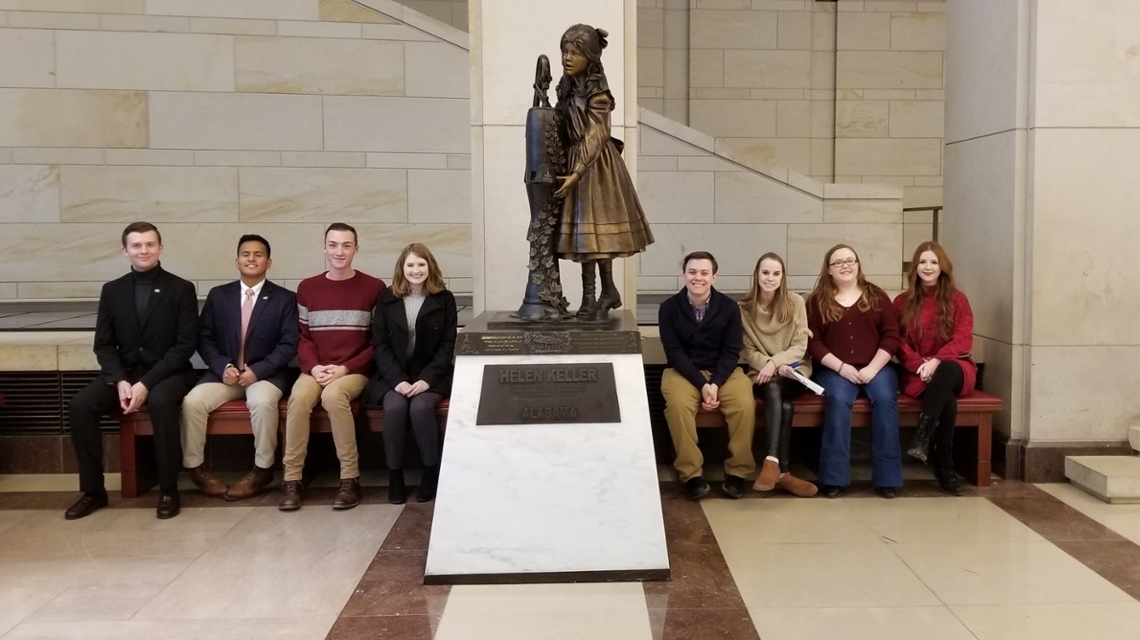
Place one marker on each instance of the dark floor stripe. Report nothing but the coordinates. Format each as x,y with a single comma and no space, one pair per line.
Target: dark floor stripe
701,601
1112,556
391,602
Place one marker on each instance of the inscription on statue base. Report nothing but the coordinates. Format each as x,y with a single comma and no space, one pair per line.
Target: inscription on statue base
548,393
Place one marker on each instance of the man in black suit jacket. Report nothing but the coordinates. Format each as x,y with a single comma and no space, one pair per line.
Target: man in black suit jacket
252,366
144,339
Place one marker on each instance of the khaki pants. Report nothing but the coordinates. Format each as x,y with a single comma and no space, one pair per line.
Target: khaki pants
261,398
335,399
682,400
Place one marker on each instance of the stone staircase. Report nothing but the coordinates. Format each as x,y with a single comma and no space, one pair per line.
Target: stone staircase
1114,479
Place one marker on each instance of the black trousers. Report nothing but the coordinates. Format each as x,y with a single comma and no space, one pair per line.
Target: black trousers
399,410
778,394
940,399
98,399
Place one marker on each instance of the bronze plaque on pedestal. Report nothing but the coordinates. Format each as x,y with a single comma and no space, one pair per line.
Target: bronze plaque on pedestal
571,393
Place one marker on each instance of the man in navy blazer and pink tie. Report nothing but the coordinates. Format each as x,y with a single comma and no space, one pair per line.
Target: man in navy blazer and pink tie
248,334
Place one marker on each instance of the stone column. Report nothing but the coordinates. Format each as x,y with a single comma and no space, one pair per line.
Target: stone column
1041,195
506,38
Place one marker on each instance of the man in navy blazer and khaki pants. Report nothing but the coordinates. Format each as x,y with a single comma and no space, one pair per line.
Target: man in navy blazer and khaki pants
251,366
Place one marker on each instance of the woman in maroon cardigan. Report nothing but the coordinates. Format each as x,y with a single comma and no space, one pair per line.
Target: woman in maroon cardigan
937,328
854,333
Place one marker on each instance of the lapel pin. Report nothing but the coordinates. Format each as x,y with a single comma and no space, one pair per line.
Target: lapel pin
157,290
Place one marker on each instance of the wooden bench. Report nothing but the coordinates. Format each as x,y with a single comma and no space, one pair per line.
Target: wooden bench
974,411
232,418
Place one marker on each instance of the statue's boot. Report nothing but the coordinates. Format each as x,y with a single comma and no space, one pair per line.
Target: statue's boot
589,290
610,298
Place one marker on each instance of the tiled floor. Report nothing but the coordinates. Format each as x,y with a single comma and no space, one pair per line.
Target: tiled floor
1012,562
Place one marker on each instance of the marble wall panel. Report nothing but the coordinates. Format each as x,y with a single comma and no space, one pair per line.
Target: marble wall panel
767,69
1086,69
263,9
432,125
650,69
161,157
918,32
917,119
879,247
1084,200
439,197
322,159
158,194
57,155
8,290
235,121
78,252
1004,378
676,197
234,26
407,160
736,246
735,118
347,11
29,357
750,198
43,20
732,29
60,290
82,6
652,142
237,158
981,69
29,193
319,66
303,29
862,118
922,196
650,29
794,30
1082,393
27,58
380,246
323,195
773,153
436,70
888,70
165,24
153,61
866,211
888,157
72,118
706,68
863,31
914,235
793,118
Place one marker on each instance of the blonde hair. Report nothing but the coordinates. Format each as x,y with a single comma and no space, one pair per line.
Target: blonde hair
434,282
782,307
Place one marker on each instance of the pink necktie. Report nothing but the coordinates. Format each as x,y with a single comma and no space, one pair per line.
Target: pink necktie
246,312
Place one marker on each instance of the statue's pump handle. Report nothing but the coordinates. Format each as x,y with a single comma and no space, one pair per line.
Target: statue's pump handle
541,82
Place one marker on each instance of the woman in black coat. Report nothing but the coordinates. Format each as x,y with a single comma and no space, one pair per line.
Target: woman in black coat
414,365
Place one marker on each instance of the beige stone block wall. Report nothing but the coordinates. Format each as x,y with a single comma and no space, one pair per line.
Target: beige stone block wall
214,118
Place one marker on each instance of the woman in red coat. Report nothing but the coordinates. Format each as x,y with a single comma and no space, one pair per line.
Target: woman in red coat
937,332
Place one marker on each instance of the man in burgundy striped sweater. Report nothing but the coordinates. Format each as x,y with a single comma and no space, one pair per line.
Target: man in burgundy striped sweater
335,351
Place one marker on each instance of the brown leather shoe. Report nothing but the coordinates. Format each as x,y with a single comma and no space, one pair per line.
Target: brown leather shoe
169,505
290,496
86,505
349,494
769,474
250,485
207,482
797,487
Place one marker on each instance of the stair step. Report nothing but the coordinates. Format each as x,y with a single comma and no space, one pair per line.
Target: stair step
1134,438
1114,479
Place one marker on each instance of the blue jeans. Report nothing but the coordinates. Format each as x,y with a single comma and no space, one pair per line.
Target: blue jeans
835,451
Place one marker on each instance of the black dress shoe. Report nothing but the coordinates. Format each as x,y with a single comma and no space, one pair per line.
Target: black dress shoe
886,492
733,486
397,492
696,488
86,505
832,491
169,505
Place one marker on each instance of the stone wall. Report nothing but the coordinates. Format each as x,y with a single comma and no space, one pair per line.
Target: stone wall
216,118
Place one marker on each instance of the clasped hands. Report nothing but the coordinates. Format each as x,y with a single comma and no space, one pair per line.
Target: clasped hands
770,370
927,368
326,374
242,378
410,389
131,396
858,376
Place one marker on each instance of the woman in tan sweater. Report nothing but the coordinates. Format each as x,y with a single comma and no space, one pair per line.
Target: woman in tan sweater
775,340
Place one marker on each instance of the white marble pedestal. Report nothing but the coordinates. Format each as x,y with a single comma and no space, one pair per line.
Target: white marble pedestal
547,502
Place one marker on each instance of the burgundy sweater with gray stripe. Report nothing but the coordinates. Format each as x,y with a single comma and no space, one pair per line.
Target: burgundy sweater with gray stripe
336,321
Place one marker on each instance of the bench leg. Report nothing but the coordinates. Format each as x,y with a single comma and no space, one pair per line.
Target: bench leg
979,473
138,473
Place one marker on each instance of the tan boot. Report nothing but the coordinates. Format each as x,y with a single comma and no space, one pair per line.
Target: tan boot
348,496
797,487
250,485
290,496
207,482
769,474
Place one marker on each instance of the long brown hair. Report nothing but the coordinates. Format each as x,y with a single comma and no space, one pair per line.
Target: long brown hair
824,293
434,282
916,293
782,308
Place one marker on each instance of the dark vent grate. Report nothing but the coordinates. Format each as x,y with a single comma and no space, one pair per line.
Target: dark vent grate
35,402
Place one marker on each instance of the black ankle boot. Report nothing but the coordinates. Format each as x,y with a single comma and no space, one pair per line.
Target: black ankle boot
589,291
610,298
397,493
428,484
920,445
944,471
